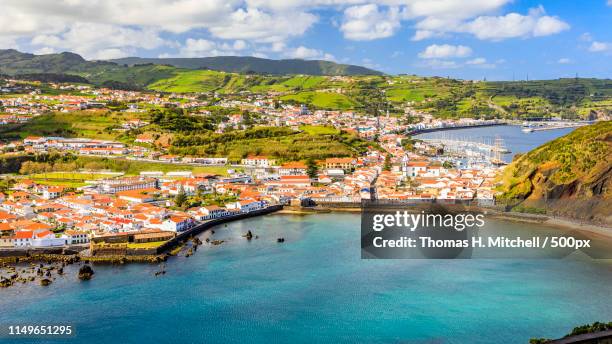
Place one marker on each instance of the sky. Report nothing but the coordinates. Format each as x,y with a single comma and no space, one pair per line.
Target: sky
467,39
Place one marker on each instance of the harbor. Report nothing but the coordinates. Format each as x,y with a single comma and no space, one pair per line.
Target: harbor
480,142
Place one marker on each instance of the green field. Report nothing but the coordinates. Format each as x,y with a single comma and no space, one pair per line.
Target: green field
324,100
90,124
281,143
193,81
319,130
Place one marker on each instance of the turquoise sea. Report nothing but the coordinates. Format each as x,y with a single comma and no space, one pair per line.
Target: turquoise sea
314,288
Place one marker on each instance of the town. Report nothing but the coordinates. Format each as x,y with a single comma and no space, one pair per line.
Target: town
154,206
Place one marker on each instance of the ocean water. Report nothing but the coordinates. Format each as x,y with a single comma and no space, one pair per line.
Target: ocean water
314,288
514,139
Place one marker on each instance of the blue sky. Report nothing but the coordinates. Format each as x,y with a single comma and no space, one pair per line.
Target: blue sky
470,39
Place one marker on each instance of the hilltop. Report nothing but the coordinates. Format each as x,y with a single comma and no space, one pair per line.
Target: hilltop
249,64
572,174
14,62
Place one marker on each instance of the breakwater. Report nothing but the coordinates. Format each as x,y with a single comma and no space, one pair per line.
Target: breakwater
211,223
431,130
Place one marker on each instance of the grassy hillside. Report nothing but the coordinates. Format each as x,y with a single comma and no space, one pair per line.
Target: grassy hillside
91,124
441,97
282,143
576,167
249,64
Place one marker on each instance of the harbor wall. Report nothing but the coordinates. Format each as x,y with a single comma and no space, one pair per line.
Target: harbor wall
29,251
431,130
211,223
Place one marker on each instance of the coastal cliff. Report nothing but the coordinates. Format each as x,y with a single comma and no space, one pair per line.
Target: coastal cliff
570,176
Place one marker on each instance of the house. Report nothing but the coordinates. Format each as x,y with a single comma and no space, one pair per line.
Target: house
6,230
245,206
259,161
297,181
23,238
145,138
139,196
414,168
209,213
76,237
48,239
53,192
177,223
292,169
345,164
6,242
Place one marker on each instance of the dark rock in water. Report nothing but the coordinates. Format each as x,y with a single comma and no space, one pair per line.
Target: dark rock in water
60,271
280,240
217,242
45,282
5,283
207,240
85,273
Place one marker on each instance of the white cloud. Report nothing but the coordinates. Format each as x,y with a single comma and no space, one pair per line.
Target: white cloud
597,47
259,26
476,61
239,45
442,63
586,37
44,51
609,2
367,22
204,47
248,25
260,55
100,41
305,53
513,25
564,60
443,51
480,62
439,64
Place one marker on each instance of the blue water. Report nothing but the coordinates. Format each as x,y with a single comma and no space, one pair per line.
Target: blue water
514,139
315,288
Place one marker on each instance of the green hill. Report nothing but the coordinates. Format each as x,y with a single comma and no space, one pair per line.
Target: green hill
572,174
339,89
249,64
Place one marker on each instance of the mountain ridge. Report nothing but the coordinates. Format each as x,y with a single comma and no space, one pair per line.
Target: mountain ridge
245,64
14,62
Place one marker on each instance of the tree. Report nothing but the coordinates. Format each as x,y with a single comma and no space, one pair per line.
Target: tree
181,197
312,170
448,164
387,165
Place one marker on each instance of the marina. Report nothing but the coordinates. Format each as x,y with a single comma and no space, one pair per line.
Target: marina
477,145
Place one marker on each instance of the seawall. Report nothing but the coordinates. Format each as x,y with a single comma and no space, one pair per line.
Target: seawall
431,130
211,223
